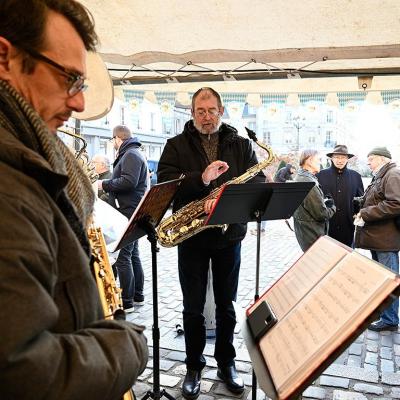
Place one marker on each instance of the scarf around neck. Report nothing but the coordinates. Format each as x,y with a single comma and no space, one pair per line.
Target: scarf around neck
19,118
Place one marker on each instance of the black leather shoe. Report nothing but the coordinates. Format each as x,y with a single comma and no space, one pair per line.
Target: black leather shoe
379,326
191,384
231,378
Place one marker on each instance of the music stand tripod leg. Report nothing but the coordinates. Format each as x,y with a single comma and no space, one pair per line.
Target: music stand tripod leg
256,293
155,393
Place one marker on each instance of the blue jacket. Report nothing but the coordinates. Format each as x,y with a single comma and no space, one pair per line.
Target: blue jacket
343,187
129,179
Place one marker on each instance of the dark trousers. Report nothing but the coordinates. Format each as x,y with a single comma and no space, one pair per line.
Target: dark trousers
193,265
130,272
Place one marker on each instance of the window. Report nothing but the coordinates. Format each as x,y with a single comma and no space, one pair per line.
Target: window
328,136
288,118
152,120
166,126
252,125
122,115
329,116
177,126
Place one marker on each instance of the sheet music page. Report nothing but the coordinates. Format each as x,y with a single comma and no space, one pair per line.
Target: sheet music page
303,275
316,326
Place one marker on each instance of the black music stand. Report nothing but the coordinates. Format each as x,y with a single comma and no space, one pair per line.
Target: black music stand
146,217
238,203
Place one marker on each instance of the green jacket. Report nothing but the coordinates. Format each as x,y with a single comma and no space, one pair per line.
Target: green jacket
311,219
54,342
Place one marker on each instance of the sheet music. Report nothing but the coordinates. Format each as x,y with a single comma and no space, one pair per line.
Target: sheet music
323,319
304,274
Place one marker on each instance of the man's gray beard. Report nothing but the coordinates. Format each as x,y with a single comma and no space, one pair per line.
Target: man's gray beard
198,127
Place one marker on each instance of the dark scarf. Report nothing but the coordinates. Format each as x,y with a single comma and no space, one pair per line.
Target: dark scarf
210,145
19,118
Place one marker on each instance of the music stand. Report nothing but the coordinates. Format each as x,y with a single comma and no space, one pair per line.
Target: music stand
146,217
238,203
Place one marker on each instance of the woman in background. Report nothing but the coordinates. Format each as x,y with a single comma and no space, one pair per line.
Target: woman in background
311,219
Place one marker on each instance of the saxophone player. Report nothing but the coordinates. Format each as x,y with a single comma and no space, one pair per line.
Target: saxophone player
54,341
209,153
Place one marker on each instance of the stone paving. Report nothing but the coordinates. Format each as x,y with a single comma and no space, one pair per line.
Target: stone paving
368,369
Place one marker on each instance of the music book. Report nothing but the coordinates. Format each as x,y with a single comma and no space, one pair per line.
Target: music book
321,304
152,207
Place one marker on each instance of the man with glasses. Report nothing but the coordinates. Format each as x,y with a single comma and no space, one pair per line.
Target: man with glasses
341,184
55,342
125,189
376,228
209,153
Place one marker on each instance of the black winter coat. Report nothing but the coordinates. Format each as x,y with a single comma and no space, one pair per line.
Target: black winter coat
284,174
129,179
184,154
343,187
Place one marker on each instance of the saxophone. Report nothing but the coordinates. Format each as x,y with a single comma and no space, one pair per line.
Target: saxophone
81,155
110,294
189,220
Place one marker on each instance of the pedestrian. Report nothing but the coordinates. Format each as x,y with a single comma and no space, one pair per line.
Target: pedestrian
342,184
311,219
55,343
209,153
125,189
376,228
285,173
102,168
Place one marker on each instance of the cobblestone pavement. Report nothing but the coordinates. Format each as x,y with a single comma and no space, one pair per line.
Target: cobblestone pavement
368,369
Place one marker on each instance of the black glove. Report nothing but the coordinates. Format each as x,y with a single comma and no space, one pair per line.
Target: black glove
329,201
357,204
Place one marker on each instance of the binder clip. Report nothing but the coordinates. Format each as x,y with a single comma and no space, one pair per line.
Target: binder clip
261,320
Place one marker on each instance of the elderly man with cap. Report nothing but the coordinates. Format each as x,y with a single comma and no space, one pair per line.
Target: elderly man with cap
342,184
375,224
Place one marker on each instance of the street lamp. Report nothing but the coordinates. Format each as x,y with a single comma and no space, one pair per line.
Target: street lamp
298,123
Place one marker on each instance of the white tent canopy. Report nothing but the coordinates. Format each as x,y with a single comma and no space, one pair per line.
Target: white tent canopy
250,45
156,41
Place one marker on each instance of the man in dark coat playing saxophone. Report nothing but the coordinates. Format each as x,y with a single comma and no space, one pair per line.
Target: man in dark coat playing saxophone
208,153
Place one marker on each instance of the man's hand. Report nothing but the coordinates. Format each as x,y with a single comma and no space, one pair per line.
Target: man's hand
213,171
208,205
100,185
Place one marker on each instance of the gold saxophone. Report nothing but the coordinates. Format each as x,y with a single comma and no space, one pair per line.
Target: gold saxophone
110,294
81,155
189,220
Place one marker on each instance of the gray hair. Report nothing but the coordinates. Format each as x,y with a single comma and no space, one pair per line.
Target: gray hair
122,132
306,154
101,158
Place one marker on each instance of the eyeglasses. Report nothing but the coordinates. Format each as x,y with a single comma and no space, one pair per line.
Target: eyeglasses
202,113
340,158
75,81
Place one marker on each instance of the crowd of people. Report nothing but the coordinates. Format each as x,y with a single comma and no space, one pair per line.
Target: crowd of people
54,330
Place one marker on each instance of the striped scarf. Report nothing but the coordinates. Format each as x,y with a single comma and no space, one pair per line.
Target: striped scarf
18,117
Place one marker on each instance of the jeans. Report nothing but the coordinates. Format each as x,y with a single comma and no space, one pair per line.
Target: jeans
390,259
193,266
130,272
